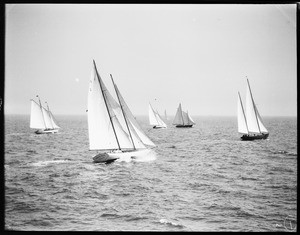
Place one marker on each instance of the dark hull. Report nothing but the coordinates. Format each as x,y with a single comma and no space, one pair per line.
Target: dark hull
183,126
158,127
46,131
255,137
104,158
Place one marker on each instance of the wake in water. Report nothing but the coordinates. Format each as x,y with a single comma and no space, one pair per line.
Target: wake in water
45,163
284,152
170,223
146,155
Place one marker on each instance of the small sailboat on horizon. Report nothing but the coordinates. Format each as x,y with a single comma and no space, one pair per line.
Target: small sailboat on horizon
250,123
42,118
166,116
112,128
183,119
155,119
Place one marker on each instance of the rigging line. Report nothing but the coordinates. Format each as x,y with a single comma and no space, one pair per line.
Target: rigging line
116,88
243,112
110,118
50,115
155,114
41,107
253,106
181,114
189,121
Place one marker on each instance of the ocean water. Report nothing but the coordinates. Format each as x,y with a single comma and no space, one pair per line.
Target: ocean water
198,179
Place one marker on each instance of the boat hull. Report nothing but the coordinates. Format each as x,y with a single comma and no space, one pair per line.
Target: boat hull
255,137
104,158
158,127
183,126
126,156
46,131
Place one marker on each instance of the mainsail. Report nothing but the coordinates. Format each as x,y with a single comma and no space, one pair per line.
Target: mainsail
249,122
178,120
36,116
110,125
242,123
154,117
139,137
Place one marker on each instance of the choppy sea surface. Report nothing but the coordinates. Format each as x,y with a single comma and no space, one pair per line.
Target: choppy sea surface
201,179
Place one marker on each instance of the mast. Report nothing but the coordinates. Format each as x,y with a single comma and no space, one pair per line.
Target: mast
123,112
42,111
243,112
110,118
253,105
49,114
181,114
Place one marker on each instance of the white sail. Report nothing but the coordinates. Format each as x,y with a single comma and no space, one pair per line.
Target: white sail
53,121
191,121
159,120
105,131
36,116
262,127
151,114
242,124
185,118
154,118
251,117
47,118
122,109
139,136
178,120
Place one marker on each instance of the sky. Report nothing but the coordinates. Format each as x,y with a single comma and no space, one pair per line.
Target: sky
199,55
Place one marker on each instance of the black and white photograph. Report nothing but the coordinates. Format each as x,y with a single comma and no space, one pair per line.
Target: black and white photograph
150,117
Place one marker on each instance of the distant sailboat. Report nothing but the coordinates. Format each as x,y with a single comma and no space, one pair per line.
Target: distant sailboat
166,117
42,119
183,119
112,128
250,123
155,119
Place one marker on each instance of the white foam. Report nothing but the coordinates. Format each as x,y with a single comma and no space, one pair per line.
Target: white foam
165,221
138,156
44,163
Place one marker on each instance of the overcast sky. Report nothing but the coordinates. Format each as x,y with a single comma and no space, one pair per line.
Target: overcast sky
198,55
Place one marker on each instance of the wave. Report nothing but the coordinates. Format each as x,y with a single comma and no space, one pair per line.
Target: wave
284,152
146,155
45,163
248,178
170,223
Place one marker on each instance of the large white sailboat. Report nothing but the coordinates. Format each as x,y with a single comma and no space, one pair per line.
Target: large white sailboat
183,119
42,119
113,130
250,123
155,119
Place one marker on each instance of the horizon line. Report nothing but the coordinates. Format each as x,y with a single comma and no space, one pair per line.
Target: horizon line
196,115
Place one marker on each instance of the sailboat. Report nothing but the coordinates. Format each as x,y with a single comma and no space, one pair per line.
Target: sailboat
155,119
166,117
42,118
250,123
183,119
112,128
